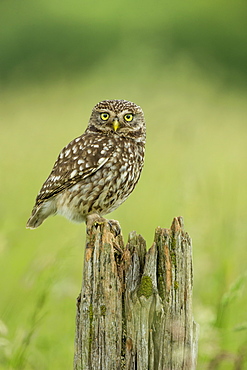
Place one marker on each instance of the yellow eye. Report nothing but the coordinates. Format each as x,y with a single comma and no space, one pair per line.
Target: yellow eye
128,117
104,116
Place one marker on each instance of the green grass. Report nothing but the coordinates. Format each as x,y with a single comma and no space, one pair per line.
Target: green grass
195,160
195,167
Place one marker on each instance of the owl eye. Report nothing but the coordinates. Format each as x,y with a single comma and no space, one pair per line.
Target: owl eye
104,116
128,117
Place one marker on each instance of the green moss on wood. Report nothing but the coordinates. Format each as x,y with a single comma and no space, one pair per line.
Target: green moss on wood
146,287
161,287
173,243
90,311
173,259
102,310
161,274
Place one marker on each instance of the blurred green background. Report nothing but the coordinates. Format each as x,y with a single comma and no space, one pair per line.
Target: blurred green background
185,63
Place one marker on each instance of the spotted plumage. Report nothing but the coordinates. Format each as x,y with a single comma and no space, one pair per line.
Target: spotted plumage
97,171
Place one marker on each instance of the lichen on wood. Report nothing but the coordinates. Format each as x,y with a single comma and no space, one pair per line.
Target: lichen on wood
135,306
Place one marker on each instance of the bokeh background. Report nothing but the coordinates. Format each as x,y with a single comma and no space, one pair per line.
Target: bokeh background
185,63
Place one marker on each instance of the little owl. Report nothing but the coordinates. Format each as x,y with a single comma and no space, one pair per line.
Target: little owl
97,171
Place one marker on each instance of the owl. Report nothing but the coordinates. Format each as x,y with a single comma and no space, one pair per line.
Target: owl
97,171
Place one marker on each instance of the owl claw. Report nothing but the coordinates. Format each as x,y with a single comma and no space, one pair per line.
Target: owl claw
115,227
94,220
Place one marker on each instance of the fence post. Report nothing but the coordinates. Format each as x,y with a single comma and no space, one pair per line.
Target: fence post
135,307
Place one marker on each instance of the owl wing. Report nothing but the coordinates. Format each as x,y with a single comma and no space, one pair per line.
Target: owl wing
79,159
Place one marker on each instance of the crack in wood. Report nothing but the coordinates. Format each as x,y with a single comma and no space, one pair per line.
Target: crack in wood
135,308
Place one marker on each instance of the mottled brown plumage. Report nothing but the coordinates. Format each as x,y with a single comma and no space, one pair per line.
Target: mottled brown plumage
97,171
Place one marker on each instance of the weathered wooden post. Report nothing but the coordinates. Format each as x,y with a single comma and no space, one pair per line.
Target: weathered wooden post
135,306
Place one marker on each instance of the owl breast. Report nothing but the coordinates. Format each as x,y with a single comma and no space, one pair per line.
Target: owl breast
108,187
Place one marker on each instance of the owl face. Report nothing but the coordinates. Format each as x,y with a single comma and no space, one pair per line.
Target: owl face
117,117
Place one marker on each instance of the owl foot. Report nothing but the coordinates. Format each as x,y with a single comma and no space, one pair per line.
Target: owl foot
115,227
94,220
117,232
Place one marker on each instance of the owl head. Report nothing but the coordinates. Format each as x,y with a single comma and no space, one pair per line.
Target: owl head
119,118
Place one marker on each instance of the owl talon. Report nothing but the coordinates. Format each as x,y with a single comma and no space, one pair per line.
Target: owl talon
115,227
94,220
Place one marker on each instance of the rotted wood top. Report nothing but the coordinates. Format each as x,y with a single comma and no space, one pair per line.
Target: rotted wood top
135,306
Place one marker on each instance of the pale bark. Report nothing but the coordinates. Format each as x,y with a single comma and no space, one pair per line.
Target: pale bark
135,307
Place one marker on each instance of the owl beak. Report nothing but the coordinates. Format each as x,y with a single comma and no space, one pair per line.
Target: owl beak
115,124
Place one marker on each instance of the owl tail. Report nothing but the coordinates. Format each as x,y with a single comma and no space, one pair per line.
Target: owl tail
34,221
39,214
